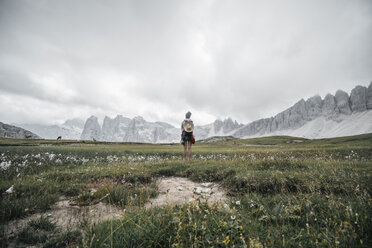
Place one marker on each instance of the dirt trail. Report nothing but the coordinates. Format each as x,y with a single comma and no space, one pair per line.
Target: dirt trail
67,215
178,190
172,190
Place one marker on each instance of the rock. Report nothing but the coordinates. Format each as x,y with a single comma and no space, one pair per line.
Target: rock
92,129
314,107
342,102
330,108
200,190
358,99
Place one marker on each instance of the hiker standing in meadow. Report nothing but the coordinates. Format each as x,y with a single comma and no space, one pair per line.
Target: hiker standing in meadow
187,137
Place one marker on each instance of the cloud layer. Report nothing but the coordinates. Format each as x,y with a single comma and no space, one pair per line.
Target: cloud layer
158,59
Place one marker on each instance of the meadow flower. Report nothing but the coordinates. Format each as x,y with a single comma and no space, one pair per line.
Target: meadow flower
10,190
5,165
237,203
233,217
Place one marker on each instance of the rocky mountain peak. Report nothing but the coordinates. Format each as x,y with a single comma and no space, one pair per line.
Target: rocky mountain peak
342,102
358,99
314,106
329,106
92,130
369,96
225,126
139,119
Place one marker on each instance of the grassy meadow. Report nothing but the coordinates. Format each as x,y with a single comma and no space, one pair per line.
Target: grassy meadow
283,192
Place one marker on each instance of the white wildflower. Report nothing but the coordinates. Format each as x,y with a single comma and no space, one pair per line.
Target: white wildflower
5,165
10,190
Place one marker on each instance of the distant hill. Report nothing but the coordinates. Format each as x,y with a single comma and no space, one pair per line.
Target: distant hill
71,129
9,131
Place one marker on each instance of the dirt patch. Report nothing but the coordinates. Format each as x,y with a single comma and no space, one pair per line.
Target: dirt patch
172,190
68,215
179,190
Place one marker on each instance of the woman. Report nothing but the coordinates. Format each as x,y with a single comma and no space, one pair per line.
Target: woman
187,127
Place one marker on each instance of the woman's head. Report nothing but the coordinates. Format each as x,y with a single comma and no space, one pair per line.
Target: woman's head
188,115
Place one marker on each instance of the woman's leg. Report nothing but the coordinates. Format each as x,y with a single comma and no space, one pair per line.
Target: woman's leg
184,150
189,145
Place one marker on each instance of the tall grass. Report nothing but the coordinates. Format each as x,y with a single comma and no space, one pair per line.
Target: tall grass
283,192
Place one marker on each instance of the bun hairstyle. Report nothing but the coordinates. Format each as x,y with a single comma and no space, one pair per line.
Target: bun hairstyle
188,115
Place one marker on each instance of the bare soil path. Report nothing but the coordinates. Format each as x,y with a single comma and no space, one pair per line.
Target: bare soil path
172,190
179,190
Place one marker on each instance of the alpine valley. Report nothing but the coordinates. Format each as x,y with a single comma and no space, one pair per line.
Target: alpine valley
336,115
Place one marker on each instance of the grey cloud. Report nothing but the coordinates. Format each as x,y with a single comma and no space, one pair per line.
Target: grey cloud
245,59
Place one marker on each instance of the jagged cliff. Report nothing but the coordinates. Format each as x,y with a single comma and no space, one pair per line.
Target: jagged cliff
123,129
330,108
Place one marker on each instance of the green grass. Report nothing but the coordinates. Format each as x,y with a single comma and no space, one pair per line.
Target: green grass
291,192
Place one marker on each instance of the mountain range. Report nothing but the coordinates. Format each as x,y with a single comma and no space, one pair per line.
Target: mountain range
335,115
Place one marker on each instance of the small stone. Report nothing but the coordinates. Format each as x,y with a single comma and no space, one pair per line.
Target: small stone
198,190
207,191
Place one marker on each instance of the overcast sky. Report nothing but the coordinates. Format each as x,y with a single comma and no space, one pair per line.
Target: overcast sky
158,59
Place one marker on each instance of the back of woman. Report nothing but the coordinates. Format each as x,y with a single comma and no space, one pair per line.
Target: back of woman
187,128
